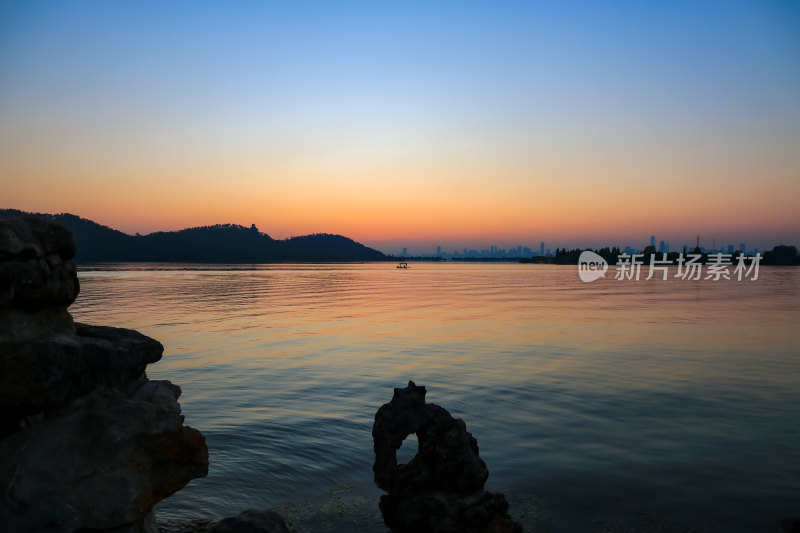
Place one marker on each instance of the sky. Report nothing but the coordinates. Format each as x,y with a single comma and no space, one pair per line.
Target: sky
409,124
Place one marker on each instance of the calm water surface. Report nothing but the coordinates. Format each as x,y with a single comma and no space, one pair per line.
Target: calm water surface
594,405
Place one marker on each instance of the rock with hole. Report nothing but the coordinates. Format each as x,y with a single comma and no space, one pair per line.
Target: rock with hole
441,489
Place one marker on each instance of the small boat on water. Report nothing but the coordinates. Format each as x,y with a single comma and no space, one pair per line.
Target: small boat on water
402,265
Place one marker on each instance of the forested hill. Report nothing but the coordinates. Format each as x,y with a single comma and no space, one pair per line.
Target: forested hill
222,243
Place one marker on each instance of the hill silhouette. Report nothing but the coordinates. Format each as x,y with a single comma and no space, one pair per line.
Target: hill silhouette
221,243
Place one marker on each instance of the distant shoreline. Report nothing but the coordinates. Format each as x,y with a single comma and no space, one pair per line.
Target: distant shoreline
236,244
221,243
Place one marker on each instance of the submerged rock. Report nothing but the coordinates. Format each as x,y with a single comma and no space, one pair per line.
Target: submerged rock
247,522
86,440
441,488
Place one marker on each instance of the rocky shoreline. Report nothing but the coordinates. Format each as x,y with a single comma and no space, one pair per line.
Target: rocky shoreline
87,441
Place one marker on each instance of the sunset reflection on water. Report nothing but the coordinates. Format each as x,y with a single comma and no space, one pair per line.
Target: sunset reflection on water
674,396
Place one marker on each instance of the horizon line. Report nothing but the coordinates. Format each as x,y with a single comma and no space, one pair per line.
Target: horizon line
413,245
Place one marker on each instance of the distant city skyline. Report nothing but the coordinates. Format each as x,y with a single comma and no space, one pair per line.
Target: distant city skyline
544,249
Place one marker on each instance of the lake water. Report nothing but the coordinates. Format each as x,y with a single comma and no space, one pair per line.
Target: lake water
597,406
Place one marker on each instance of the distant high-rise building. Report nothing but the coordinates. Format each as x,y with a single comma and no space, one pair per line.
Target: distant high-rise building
662,247
405,251
438,251
653,241
541,248
730,248
741,247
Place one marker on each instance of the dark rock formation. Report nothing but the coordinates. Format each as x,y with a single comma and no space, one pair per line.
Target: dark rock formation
37,278
48,372
791,525
246,522
35,267
86,440
441,488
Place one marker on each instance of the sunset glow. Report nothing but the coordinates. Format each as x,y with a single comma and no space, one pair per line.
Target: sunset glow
408,124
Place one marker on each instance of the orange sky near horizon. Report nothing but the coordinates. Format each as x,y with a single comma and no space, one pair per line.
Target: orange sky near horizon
442,205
